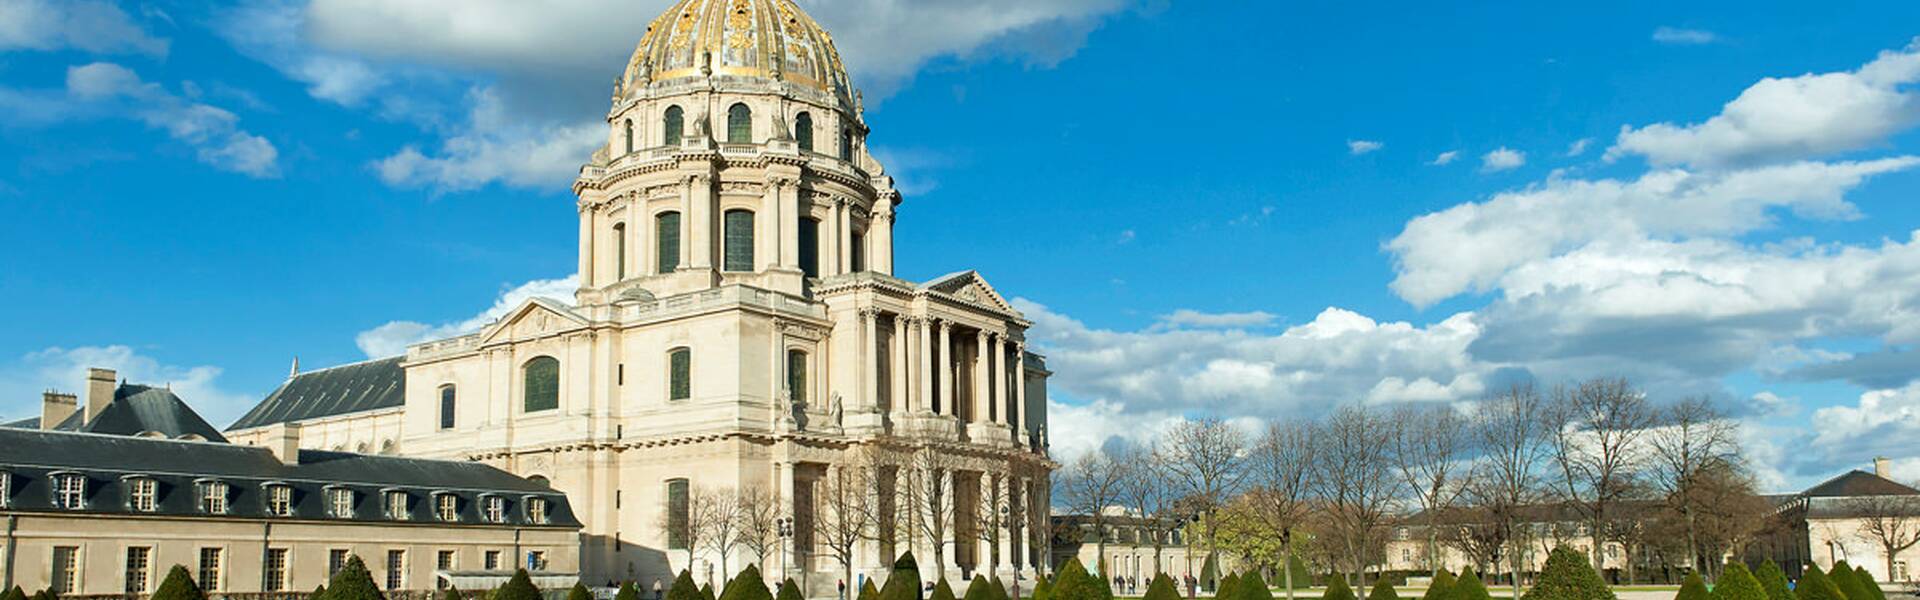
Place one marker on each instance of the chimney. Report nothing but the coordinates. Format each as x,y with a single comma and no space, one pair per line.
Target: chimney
56,407
100,387
1883,467
283,440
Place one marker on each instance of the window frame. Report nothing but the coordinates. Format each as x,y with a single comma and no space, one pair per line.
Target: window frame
739,123
730,236
808,236
396,569
337,559
340,502
446,507
276,499
138,577
6,489
673,126
493,509
210,578
394,505
679,374
667,245
143,493
538,511
803,131
69,499
449,406
620,251
679,512
214,496
799,363
527,380
490,560
64,574
629,132
274,576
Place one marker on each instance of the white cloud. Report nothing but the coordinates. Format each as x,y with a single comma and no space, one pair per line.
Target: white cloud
1359,147
1578,147
65,369
1881,423
1791,118
393,337
1502,159
1192,318
494,147
1685,37
1446,157
92,26
104,90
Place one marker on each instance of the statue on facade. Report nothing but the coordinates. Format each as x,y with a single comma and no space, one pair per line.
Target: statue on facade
834,410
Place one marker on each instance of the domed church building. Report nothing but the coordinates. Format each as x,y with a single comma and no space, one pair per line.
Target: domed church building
738,332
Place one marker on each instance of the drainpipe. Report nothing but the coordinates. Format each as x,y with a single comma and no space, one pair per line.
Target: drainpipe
13,523
266,541
517,554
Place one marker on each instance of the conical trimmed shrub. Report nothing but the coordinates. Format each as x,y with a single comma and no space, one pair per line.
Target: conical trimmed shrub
1162,588
1814,585
1842,577
1043,589
1383,590
706,591
1252,587
1302,578
46,594
1737,583
1441,586
1337,588
1468,587
1865,579
1774,581
748,585
997,589
904,582
791,591
1568,576
977,589
353,582
1693,588
579,592
1225,588
942,591
627,592
867,591
319,592
683,588
520,587
453,593
178,586
1075,583
14,593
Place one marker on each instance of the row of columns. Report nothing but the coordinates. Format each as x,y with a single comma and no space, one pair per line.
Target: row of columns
920,358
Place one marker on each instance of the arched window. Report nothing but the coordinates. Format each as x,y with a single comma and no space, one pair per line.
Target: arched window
739,124
679,374
846,144
666,231
803,131
620,250
541,384
675,123
629,136
797,375
810,246
739,240
447,405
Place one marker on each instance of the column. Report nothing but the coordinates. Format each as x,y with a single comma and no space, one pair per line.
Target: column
830,261
897,377
687,185
871,357
769,222
924,403
946,368
1020,387
999,386
789,227
843,237
1005,484
701,219
881,257
982,396
586,247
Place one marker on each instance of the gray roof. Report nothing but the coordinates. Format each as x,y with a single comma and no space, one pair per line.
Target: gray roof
107,461
137,410
1858,483
348,388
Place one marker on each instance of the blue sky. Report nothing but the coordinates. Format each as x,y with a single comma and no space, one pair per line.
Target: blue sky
1259,209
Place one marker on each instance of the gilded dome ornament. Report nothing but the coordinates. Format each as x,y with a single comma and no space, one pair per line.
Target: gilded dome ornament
765,39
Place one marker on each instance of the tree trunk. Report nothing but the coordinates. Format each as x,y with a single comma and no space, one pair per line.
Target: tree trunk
1287,541
1513,560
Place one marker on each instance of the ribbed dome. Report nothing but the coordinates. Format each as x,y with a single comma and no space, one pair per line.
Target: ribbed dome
752,38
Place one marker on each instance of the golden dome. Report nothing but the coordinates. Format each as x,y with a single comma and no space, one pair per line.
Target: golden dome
752,38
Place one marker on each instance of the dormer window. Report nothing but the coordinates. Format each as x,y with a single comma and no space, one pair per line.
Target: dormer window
213,497
143,494
446,507
495,508
70,491
340,502
537,511
397,505
279,500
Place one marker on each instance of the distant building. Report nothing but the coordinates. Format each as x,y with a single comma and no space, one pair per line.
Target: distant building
1834,521
104,501
1130,549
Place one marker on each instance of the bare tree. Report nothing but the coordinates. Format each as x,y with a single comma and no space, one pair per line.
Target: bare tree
1511,432
1693,435
1597,432
1892,522
1280,472
1206,458
759,521
928,487
1143,488
696,528
1353,475
722,519
1426,444
995,510
845,508
1089,485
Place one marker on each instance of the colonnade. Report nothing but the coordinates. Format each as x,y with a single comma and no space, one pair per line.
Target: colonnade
921,364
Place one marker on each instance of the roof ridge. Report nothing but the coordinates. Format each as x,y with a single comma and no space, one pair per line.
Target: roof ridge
351,364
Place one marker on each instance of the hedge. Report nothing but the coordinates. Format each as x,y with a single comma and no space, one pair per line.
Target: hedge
1252,587
748,585
1224,589
867,591
1842,577
683,588
46,594
1693,588
1814,585
178,586
1075,583
1383,590
1441,586
1737,583
1162,588
1468,587
942,591
1865,579
997,589
353,582
520,587
14,593
1568,576
904,582
977,589
1774,581
1042,589
1337,588
791,591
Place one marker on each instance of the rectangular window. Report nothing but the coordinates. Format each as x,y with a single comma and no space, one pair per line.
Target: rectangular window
496,509
396,569
276,569
447,405
66,569
738,240
397,505
137,559
279,501
667,237
336,560
142,494
677,514
797,376
209,576
492,560
680,374
810,246
444,562
70,491
447,507
536,560
213,497
341,501
620,251
537,508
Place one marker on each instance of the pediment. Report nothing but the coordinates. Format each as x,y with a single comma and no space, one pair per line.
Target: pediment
534,317
970,287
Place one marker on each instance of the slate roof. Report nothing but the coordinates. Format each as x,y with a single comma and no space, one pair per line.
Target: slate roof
1858,483
136,410
33,457
340,390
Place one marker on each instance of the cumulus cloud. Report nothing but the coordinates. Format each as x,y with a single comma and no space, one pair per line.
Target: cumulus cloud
1791,118
393,337
106,90
94,26
1502,159
1578,147
65,369
1446,157
494,147
1684,37
1359,147
1882,422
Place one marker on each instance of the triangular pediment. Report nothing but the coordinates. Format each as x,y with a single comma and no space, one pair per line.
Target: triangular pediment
534,317
970,287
